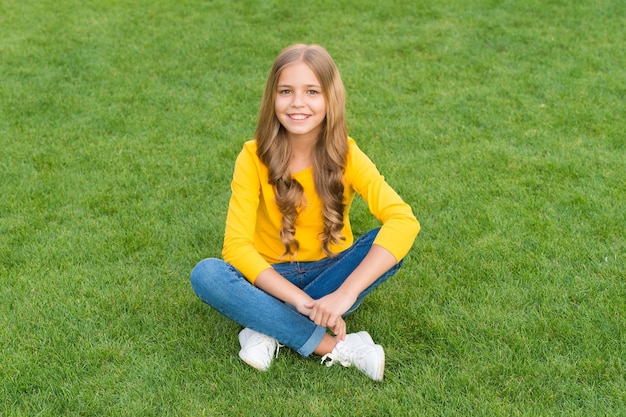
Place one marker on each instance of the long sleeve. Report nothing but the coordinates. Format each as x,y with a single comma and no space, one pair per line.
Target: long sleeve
239,238
252,237
399,226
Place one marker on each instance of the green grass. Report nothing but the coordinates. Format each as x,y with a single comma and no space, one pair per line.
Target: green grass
500,122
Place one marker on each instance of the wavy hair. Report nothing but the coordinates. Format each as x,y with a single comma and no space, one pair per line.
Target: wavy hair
329,157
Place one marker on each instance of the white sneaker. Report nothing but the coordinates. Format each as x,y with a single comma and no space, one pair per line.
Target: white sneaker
257,349
358,349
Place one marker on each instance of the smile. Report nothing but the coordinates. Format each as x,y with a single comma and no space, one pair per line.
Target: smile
298,116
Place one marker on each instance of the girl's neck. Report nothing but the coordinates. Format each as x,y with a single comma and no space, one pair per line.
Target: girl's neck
302,154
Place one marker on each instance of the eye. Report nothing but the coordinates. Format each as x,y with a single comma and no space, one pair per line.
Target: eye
284,91
313,92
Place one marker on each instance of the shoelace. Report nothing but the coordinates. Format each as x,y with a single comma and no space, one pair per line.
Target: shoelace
278,346
326,356
346,358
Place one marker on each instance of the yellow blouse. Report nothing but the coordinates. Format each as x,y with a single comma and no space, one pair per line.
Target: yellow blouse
252,237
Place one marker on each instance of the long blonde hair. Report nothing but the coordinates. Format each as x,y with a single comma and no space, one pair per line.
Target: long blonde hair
329,157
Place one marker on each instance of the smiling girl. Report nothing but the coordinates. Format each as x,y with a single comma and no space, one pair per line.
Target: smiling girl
292,270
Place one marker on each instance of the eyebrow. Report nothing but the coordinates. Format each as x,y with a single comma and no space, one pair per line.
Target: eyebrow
290,86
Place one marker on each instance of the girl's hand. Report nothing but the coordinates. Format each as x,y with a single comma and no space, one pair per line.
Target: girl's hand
339,329
302,305
327,311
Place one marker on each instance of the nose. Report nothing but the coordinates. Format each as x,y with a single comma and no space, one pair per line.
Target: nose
297,101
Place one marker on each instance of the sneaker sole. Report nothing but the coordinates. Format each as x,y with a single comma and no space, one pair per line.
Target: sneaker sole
252,363
380,372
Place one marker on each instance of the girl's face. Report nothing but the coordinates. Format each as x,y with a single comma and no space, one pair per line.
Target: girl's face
299,102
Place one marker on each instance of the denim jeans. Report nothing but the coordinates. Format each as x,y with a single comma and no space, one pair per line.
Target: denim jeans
224,288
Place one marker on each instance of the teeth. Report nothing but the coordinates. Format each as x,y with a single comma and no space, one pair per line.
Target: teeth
298,116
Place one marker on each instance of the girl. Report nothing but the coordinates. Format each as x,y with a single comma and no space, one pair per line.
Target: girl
291,271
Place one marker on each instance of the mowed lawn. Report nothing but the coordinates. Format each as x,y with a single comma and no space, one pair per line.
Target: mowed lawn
502,123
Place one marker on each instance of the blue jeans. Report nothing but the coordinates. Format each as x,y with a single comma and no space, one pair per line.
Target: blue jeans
224,288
